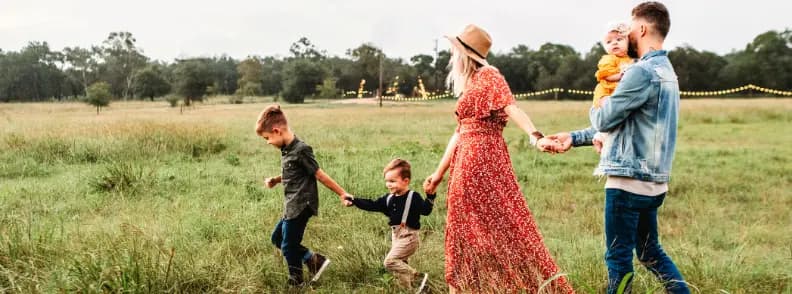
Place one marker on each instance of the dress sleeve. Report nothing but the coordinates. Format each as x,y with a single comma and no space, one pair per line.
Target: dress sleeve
607,66
493,92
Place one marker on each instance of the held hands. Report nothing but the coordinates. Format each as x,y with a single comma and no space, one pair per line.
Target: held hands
548,145
431,183
556,143
346,200
272,182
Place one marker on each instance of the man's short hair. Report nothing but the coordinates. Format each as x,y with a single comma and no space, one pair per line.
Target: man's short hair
655,13
270,117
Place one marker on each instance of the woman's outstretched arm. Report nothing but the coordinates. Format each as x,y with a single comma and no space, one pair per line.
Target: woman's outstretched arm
524,122
431,183
520,118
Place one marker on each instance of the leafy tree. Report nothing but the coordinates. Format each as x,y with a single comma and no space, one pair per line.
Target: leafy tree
271,75
98,95
771,54
328,89
37,73
696,69
224,74
585,79
300,77
568,71
407,76
83,64
302,72
520,67
150,82
441,70
192,78
32,74
121,59
343,70
551,57
366,59
304,49
250,75
424,67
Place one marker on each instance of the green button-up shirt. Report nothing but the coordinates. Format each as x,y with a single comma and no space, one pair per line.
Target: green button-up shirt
298,175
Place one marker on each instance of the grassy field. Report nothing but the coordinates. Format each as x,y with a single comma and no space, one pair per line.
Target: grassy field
142,199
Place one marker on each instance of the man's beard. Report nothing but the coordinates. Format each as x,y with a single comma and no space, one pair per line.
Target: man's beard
631,51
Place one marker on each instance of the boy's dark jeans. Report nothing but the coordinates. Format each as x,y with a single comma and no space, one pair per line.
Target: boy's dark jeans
631,223
287,236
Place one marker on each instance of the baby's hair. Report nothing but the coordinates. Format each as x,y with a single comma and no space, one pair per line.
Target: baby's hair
619,27
402,165
270,117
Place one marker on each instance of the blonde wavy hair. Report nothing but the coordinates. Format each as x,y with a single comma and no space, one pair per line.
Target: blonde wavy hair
460,69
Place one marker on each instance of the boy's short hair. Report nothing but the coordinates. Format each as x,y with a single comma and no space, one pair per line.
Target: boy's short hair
402,165
655,13
270,117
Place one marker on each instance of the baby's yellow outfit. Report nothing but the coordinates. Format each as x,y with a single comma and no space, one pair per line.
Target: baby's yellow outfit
608,65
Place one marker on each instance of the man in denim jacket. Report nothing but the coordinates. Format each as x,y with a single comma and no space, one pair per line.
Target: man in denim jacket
641,119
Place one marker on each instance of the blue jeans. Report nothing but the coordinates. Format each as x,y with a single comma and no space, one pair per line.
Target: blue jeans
631,224
287,236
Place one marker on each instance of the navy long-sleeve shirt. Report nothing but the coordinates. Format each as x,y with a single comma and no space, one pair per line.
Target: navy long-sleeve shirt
395,207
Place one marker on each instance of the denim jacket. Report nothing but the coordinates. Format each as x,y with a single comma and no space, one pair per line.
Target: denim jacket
641,119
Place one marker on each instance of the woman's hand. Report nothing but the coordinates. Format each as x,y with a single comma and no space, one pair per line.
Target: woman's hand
557,143
431,183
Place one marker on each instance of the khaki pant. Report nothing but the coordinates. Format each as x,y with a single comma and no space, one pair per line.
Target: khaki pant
405,243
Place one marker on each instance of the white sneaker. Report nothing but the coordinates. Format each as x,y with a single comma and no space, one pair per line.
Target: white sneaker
422,286
318,265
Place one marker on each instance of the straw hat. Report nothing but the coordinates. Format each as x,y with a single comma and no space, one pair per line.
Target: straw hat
474,42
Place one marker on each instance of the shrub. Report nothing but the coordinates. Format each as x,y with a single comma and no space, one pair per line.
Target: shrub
98,95
121,177
173,100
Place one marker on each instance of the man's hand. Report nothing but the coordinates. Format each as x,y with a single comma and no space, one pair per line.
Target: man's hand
597,145
272,182
597,141
548,145
564,142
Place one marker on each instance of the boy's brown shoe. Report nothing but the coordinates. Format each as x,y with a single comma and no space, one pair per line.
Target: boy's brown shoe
317,265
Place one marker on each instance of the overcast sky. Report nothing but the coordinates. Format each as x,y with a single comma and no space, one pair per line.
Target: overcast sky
167,29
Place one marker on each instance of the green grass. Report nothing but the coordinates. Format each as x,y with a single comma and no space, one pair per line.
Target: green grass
143,199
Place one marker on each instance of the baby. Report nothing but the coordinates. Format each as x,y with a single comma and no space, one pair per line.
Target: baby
610,69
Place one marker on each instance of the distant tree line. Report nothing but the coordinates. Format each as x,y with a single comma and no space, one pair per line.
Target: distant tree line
39,73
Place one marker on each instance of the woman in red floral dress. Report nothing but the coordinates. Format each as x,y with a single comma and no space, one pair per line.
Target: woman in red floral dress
492,242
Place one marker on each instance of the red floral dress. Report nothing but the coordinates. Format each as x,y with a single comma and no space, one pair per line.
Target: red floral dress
492,243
